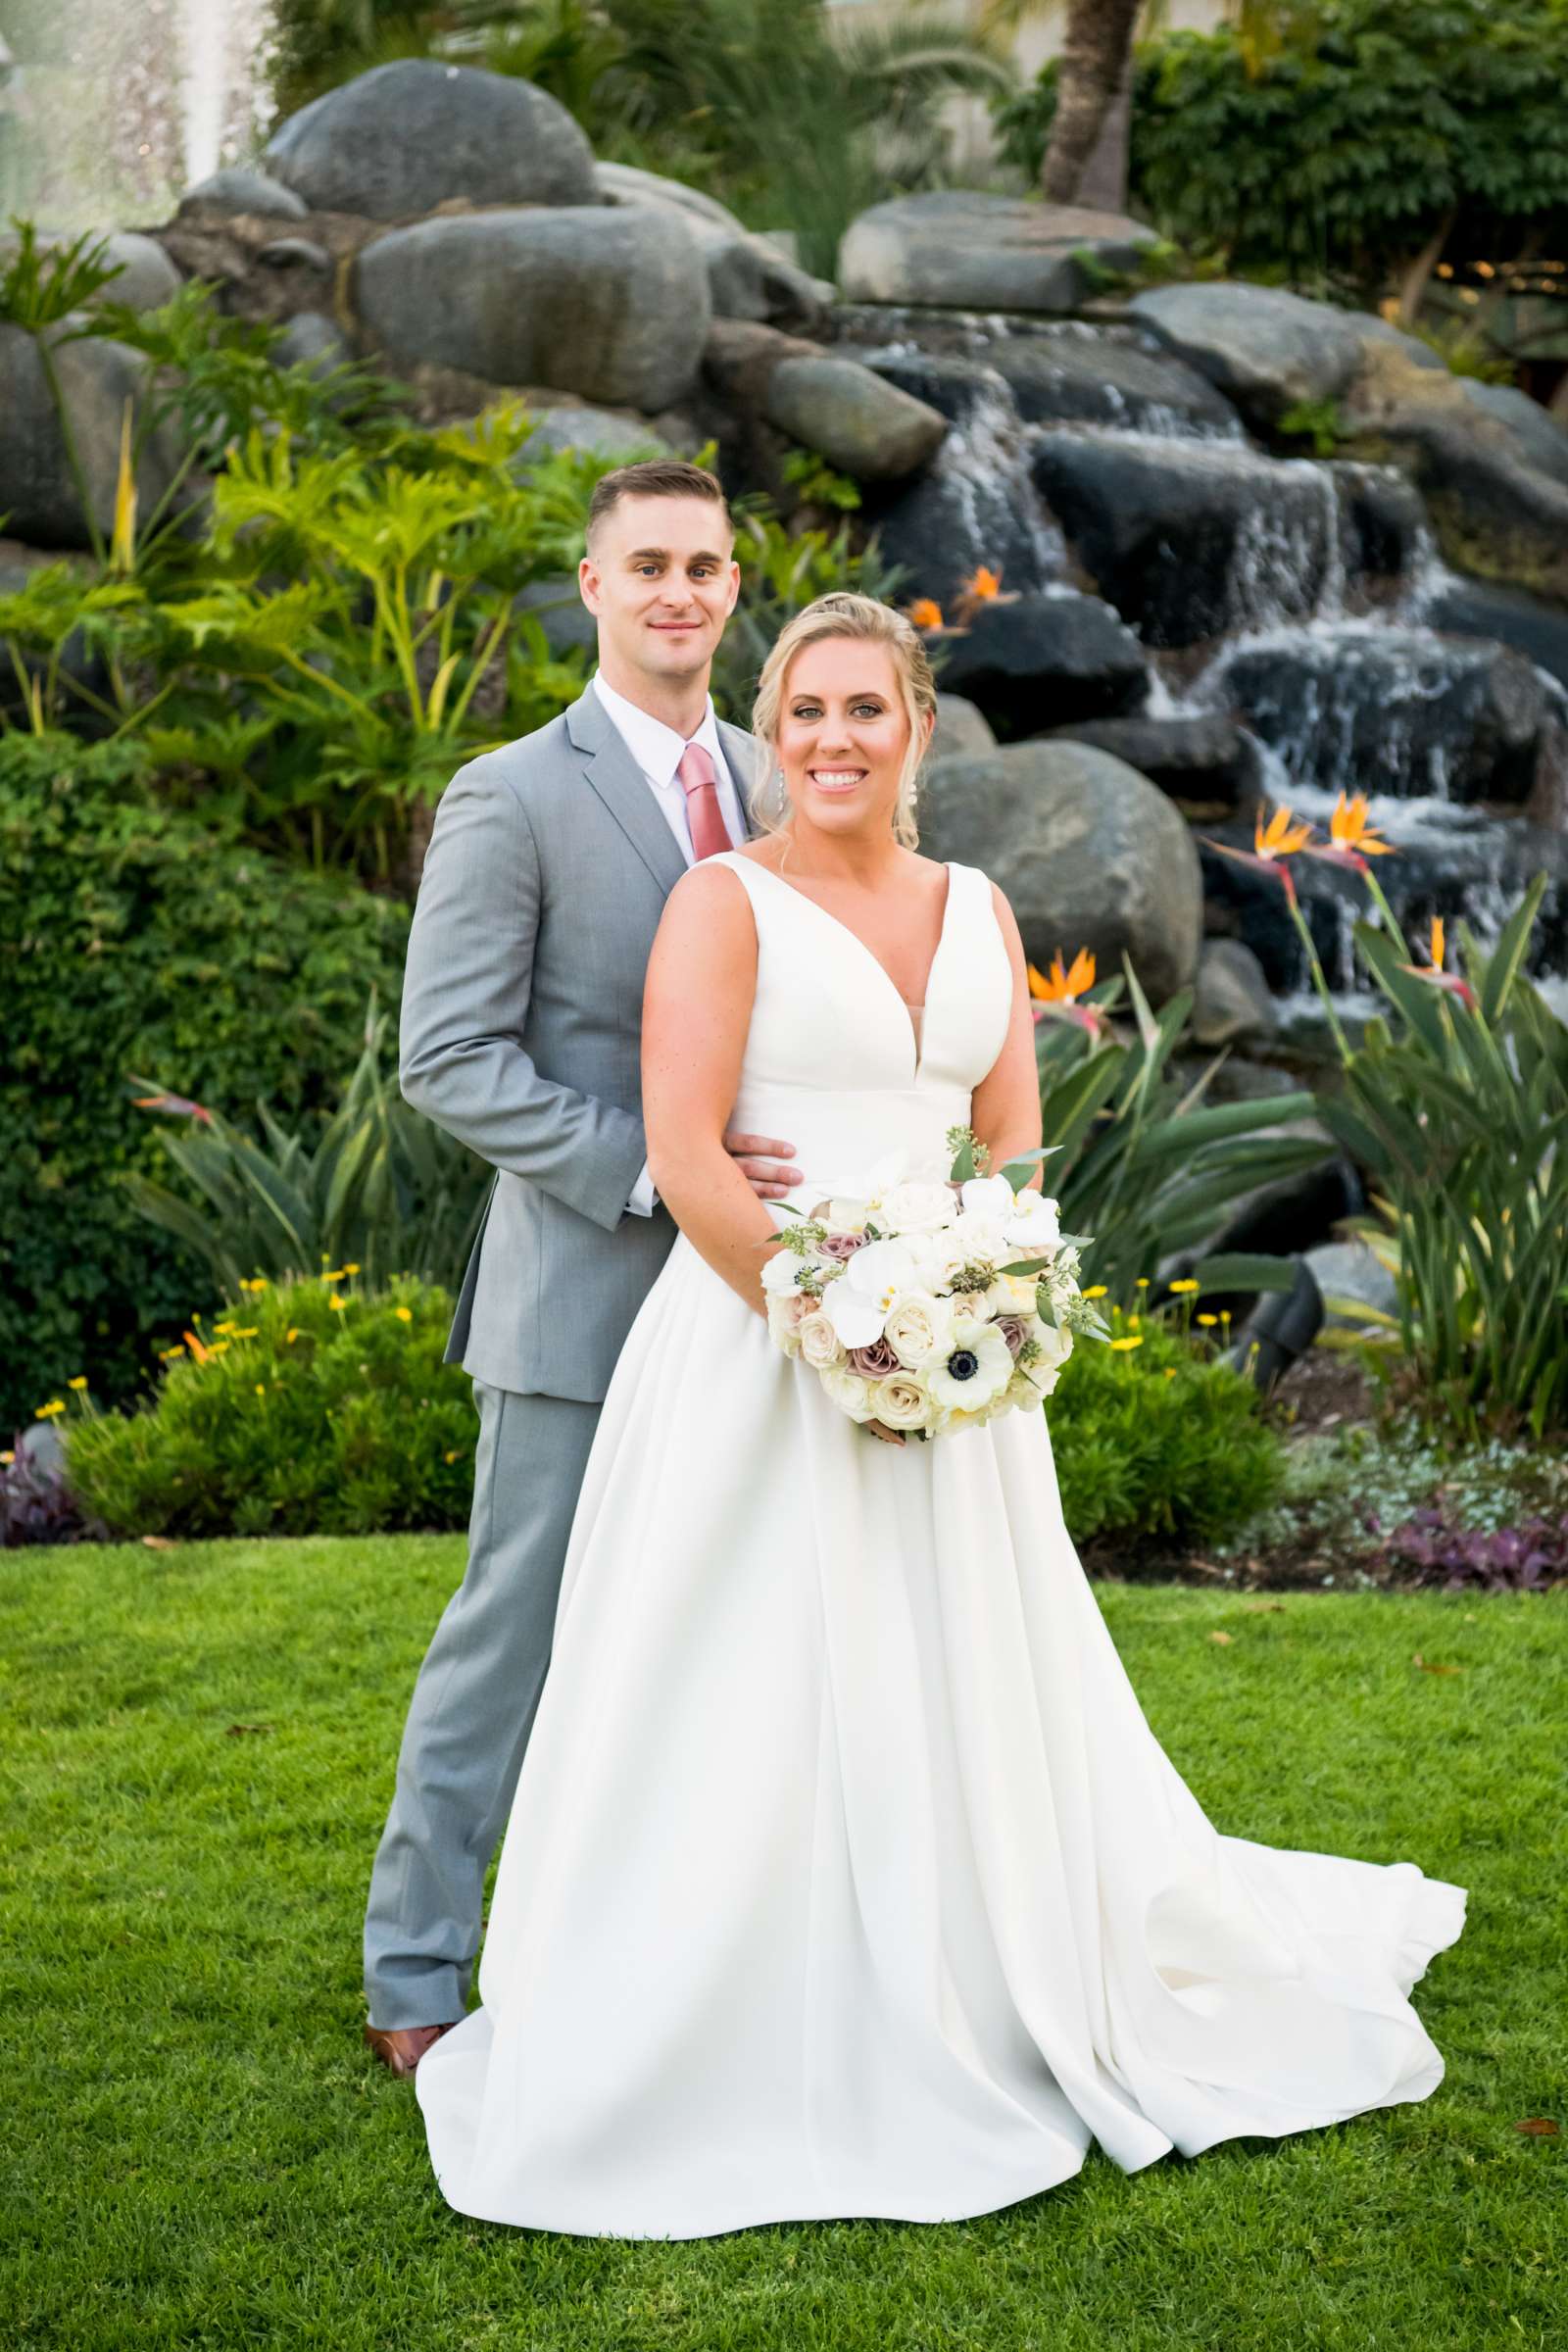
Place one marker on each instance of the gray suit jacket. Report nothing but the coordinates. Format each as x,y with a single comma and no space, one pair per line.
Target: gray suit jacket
547,873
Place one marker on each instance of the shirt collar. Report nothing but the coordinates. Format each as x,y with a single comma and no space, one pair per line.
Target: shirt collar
656,747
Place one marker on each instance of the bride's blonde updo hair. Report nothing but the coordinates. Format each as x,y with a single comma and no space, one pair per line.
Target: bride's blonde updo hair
863,618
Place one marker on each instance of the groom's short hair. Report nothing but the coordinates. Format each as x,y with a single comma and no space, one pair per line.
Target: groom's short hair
655,477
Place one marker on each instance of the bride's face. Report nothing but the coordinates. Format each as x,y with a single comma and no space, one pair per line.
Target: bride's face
842,737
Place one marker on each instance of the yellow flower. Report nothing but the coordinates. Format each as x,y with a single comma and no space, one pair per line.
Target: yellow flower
1208,1320
1188,1285
80,1381
168,1354
1142,1281
340,1302
1096,1290
249,1333
55,1405
1133,1322
222,1348
1121,1345
403,1314
336,1274
451,1458
261,1388
291,1335
350,1267
225,1327
7,1456
1170,1371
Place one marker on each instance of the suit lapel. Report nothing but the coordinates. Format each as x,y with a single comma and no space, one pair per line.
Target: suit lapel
620,784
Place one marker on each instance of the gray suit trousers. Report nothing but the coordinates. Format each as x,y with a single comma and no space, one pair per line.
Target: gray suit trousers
472,1710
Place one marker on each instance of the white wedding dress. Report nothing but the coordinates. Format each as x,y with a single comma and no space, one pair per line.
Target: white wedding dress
843,1875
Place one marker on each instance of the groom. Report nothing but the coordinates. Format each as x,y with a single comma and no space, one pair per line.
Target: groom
543,886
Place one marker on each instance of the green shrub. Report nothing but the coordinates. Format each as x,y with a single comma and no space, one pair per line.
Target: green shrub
133,940
1338,153
1154,1436
311,1408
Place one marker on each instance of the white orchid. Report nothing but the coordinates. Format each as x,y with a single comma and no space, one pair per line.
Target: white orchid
873,1280
987,1195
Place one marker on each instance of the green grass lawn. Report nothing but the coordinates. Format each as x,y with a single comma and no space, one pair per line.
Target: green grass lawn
197,1750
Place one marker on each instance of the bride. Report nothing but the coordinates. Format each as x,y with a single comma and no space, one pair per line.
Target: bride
843,1875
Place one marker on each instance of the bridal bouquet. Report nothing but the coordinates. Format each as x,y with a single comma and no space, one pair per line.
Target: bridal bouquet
930,1304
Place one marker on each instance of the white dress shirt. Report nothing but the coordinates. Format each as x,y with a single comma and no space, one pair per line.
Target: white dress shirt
657,749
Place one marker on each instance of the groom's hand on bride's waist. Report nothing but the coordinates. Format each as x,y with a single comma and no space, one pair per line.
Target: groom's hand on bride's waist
766,1163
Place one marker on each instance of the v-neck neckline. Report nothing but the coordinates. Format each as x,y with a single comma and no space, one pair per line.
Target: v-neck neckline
916,1041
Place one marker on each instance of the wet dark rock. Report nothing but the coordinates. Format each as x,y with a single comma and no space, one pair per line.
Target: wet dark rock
1082,378
1401,711
1040,662
1189,539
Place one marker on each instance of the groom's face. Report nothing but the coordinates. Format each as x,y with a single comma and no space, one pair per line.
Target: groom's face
661,580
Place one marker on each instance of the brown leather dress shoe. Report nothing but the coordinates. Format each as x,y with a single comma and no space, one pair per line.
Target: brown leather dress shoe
401,2048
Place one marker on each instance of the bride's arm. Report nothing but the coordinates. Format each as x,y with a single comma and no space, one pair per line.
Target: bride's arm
1007,1102
697,1008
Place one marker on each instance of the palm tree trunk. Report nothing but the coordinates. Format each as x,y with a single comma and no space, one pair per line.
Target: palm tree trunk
1095,57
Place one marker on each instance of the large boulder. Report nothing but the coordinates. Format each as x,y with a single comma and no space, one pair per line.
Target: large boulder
146,276
241,188
1268,350
1189,539
1089,853
960,728
1539,439
748,278
863,426
1399,712
610,303
603,433
1036,661
961,250
39,493
395,143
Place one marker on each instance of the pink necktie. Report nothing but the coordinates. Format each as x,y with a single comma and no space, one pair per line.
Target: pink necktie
703,815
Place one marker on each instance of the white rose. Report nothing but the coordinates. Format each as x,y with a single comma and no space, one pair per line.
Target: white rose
900,1402
914,1208
937,1258
988,1196
876,1277
849,1392
785,1317
846,1216
983,1240
820,1345
916,1326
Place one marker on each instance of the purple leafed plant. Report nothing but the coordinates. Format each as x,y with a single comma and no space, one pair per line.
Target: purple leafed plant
36,1505
1507,1560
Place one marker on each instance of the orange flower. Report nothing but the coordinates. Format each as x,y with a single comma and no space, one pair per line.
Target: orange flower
199,1352
1059,992
1067,983
1353,839
926,614
982,584
1433,972
1272,843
